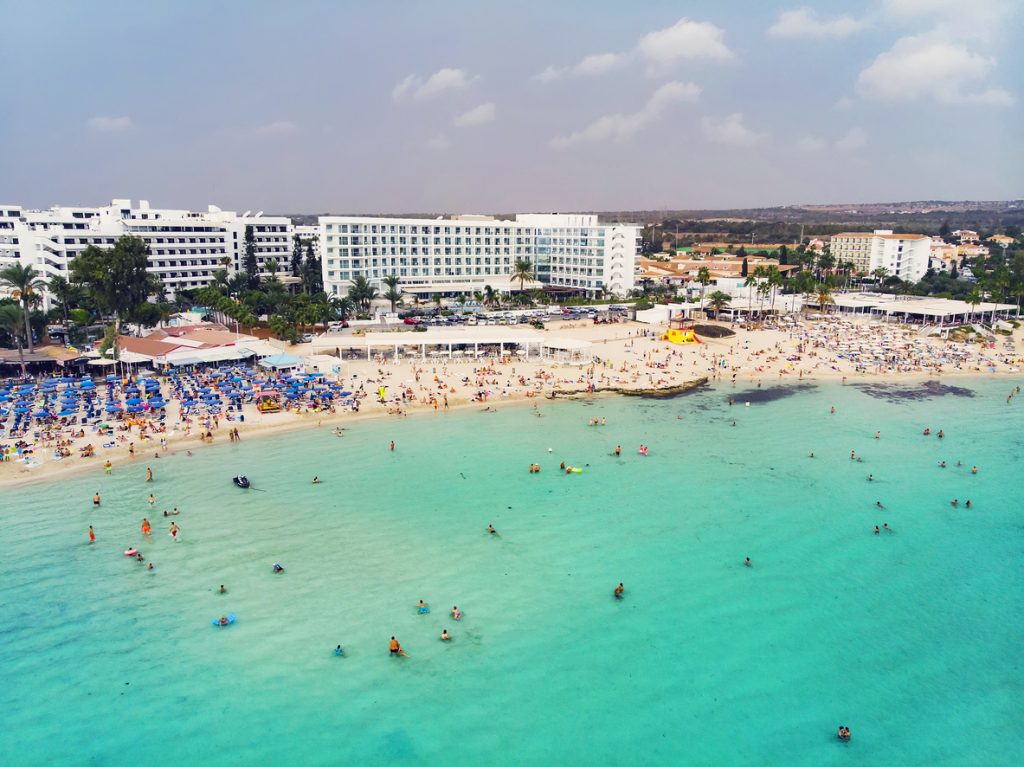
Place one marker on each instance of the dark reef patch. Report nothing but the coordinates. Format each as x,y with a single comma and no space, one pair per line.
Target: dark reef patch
893,392
771,393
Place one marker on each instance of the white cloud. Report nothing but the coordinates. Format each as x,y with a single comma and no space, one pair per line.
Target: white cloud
683,40
810,144
420,89
278,128
852,140
111,124
979,20
730,130
479,115
620,127
928,67
805,24
844,102
438,143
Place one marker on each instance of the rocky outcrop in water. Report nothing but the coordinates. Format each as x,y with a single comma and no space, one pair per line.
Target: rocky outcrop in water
660,392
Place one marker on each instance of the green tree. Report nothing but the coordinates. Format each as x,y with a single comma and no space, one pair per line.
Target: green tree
249,262
116,279
312,275
704,278
719,300
880,274
750,284
522,271
296,256
362,293
974,299
342,306
824,297
272,267
65,293
393,294
25,285
10,323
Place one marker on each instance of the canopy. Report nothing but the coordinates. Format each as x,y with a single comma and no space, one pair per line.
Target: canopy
280,362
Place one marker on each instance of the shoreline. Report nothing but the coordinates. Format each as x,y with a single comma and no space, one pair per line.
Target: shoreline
634,362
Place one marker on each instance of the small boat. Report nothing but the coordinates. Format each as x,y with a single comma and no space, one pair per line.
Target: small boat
224,621
241,481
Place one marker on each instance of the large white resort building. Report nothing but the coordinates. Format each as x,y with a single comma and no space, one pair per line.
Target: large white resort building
901,255
186,247
464,254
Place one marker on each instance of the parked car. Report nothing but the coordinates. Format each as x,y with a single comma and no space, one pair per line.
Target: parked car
307,338
412,321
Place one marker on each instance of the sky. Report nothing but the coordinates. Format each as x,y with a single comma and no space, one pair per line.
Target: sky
441,106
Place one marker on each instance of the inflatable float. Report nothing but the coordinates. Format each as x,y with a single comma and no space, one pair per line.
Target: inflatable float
131,552
224,621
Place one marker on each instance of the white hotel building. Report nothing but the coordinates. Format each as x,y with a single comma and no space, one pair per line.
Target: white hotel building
463,254
902,255
186,247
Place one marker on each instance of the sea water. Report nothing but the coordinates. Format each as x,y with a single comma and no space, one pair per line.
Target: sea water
910,638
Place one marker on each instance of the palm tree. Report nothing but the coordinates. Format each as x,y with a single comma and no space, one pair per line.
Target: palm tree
880,274
342,306
522,271
824,296
489,295
719,300
10,322
272,267
64,292
973,298
362,293
774,282
704,277
392,294
750,282
25,284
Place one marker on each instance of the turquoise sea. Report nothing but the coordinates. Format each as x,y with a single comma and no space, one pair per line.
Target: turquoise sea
911,638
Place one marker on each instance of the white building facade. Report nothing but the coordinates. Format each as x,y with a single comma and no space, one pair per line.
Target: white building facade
186,247
903,255
464,254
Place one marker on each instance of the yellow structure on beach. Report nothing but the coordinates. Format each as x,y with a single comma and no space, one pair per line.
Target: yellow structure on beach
674,336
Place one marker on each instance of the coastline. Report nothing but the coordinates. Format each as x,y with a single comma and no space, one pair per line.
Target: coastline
632,364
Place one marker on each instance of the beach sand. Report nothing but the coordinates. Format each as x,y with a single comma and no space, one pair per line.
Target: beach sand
632,356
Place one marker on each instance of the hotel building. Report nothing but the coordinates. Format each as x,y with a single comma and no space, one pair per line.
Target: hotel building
902,255
463,254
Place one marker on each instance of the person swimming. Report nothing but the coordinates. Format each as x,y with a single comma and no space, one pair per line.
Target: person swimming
942,464
278,568
222,589
876,529
445,636
338,650
843,734
747,562
394,648
316,480
968,504
879,504
491,530
954,502
146,527
619,591
456,615
618,450
885,526
422,608
871,477
152,500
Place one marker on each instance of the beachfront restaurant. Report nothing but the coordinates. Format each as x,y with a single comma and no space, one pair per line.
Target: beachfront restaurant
921,309
468,343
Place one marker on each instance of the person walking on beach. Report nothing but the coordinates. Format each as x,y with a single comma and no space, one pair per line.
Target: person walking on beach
92,535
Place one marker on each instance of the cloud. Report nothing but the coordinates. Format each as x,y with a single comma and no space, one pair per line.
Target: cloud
980,20
810,144
730,130
852,140
684,40
844,102
661,49
438,143
420,89
928,67
479,115
805,24
277,128
111,124
620,127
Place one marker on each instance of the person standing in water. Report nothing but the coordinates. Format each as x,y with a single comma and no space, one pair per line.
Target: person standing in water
149,474
96,499
618,591
92,535
392,445
174,530
145,526
394,648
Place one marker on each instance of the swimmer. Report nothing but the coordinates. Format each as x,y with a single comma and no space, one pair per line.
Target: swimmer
491,530
871,477
422,608
222,589
175,512
833,410
955,502
108,467
942,464
968,504
149,474
878,435
165,513
152,500
456,615
618,450
747,562
879,504
974,470
844,733
338,650
885,526
146,526
562,465
138,556
96,499
618,591
445,636
92,535
394,648
316,480
810,455
941,434
876,529
277,568
392,445
853,455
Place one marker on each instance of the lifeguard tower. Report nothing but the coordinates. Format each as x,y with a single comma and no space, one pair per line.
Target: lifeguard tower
680,331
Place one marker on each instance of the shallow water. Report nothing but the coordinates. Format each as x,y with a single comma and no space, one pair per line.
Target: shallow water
909,638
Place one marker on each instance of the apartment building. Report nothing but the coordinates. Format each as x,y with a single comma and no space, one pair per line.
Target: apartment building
186,247
465,253
902,255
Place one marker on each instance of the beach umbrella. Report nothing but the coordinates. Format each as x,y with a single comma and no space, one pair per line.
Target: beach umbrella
133,401
4,397
21,409
42,414
67,411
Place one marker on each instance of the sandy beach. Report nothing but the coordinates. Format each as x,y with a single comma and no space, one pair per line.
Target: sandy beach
627,356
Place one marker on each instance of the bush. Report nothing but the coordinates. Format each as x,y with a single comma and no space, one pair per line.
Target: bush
643,305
